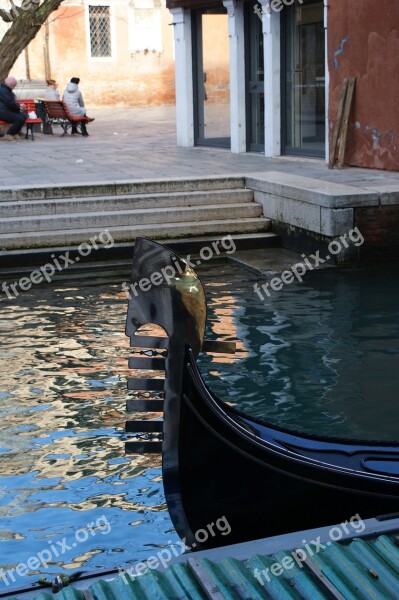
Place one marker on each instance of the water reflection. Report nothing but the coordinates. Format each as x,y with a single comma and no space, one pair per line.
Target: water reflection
323,356
62,408
320,357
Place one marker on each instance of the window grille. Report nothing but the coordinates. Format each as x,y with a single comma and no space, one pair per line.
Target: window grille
100,31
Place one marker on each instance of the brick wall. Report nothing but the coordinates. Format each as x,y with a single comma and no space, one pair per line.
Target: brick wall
379,226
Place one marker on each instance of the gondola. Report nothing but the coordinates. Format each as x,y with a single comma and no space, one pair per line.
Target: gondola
220,465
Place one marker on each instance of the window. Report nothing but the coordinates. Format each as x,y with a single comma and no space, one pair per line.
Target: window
100,31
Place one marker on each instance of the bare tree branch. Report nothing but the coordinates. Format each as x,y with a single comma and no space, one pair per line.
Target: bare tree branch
10,15
5,15
26,24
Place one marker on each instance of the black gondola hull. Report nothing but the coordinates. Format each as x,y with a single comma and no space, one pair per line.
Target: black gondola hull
222,467
261,491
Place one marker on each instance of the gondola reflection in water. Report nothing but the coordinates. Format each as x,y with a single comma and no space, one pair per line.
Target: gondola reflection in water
218,462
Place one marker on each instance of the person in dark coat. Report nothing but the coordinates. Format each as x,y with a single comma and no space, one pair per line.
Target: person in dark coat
10,110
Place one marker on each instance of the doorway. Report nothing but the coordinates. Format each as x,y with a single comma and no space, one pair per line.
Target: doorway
211,77
255,77
303,80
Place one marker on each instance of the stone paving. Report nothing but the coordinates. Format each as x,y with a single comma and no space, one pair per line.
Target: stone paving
140,143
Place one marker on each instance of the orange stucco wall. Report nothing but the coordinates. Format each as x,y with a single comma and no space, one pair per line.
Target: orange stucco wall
216,64
363,41
143,78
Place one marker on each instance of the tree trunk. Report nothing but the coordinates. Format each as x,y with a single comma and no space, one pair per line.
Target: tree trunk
22,31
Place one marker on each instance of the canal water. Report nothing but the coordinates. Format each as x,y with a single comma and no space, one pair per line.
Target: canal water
321,357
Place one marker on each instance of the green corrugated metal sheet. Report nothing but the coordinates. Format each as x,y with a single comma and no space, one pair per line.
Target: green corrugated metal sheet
357,570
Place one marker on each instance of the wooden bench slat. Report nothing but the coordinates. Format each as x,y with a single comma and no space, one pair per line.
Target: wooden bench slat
30,107
58,114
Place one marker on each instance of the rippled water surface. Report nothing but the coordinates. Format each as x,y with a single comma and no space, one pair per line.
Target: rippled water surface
320,357
62,412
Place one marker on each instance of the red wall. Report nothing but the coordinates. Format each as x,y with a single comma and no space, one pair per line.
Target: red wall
363,41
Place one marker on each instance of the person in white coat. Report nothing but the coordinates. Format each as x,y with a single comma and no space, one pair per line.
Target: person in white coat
74,100
52,93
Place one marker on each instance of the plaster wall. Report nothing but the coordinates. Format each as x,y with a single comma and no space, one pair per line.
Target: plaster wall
363,41
135,75
216,58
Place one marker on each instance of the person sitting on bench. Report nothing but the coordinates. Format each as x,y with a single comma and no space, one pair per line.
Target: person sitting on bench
74,100
52,93
10,110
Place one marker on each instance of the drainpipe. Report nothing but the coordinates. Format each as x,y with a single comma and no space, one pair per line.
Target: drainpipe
27,65
47,66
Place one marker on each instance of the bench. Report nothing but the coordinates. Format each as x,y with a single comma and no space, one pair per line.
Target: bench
57,113
30,107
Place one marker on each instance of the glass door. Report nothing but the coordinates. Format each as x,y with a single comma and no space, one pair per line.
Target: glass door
303,84
255,79
211,77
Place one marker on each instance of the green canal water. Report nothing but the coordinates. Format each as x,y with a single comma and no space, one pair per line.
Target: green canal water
321,357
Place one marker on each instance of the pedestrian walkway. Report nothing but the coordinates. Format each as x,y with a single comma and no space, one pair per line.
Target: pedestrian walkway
140,143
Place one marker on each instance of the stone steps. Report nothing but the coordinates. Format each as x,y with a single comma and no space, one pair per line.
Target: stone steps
24,208
119,188
132,218
162,231
54,216
22,260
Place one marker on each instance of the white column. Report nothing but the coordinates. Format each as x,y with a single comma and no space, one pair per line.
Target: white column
272,56
235,11
184,77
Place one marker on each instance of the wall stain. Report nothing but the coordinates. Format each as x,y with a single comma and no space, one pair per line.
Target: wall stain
376,137
364,46
339,51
